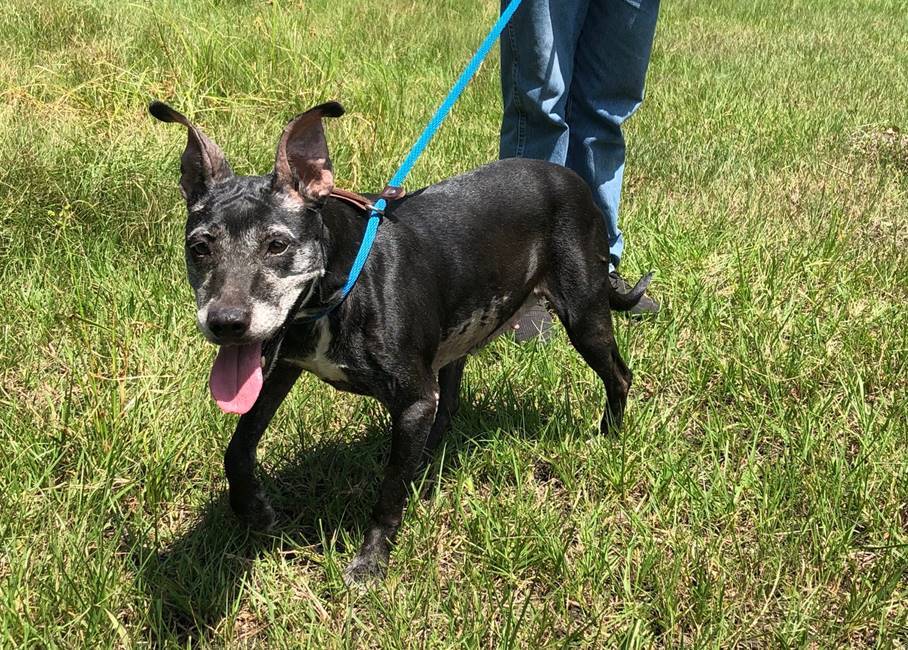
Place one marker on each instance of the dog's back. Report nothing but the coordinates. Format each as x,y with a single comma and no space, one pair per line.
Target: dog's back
471,251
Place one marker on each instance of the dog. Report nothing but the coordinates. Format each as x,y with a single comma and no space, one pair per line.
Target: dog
453,265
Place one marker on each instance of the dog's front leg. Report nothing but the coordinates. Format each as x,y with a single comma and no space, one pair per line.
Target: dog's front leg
410,427
247,498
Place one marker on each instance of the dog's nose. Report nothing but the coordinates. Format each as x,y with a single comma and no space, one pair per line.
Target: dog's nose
231,322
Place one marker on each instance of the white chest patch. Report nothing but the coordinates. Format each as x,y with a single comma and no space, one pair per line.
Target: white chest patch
318,362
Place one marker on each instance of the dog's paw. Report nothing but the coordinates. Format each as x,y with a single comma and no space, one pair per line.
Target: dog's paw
253,510
365,569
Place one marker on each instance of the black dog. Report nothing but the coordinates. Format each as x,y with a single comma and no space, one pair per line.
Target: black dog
453,265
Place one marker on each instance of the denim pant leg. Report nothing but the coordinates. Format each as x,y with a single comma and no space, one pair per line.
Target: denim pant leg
610,65
537,55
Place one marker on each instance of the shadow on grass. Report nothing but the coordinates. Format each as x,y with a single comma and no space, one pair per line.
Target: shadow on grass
195,582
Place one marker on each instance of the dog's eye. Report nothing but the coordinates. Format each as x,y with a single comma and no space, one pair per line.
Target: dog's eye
277,246
200,249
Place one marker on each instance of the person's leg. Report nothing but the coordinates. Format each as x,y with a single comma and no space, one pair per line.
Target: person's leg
606,88
537,54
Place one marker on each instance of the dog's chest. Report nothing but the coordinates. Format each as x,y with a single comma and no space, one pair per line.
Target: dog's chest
318,361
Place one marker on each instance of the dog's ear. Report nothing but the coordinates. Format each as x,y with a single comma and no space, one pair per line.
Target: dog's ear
203,163
302,165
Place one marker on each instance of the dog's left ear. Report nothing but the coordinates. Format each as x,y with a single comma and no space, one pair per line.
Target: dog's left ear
302,165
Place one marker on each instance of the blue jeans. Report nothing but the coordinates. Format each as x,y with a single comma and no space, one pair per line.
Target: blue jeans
571,72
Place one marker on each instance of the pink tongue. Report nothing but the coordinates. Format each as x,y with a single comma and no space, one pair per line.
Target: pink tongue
236,377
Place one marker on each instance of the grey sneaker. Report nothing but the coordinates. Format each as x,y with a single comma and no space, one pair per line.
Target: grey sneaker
646,306
536,321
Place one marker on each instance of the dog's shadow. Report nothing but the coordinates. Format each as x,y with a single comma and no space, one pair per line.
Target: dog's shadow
195,580
324,492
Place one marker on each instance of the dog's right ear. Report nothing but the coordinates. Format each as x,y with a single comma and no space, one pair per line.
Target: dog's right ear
203,163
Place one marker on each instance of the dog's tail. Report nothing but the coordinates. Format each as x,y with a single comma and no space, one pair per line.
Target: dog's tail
626,301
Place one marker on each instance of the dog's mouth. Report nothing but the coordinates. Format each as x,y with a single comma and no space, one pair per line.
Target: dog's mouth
236,377
239,371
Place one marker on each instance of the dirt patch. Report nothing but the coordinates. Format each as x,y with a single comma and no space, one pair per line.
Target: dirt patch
886,145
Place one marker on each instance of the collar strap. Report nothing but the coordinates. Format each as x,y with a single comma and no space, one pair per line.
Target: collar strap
390,193
376,212
354,199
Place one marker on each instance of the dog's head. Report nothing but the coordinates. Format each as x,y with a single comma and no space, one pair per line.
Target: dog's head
254,244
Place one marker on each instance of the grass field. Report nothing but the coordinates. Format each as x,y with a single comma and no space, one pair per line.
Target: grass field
758,494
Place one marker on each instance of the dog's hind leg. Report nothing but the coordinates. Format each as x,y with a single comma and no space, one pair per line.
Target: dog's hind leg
247,498
413,412
449,378
589,326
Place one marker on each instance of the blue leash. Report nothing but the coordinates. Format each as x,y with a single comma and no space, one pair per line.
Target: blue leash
400,176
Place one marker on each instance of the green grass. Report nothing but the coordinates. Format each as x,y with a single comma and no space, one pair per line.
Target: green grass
758,494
